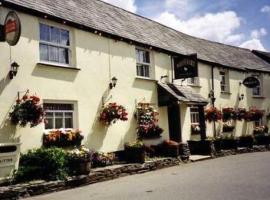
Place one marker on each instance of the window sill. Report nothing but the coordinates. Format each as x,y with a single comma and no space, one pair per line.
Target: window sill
45,64
144,78
194,85
224,92
258,97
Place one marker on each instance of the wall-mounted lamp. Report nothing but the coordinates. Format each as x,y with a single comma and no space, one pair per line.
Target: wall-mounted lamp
13,70
211,95
113,82
162,77
241,97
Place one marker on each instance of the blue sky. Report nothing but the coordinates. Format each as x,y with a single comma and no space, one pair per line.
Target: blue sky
244,23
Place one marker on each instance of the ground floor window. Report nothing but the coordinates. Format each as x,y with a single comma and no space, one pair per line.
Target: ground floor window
59,115
195,120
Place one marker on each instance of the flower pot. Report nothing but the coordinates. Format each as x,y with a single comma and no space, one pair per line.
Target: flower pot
246,142
262,139
171,151
228,144
135,154
202,147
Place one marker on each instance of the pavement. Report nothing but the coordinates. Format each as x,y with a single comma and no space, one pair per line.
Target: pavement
240,177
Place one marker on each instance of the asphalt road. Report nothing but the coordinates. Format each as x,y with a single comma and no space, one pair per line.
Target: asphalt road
241,177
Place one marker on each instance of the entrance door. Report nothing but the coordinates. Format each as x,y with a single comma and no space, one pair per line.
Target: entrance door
174,122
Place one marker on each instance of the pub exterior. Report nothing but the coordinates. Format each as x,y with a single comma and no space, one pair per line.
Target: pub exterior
78,56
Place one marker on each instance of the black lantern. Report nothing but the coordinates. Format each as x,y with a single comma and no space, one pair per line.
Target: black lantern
241,97
113,82
13,70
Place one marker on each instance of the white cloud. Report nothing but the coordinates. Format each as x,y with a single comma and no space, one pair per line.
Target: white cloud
125,4
265,9
253,44
171,4
220,27
255,34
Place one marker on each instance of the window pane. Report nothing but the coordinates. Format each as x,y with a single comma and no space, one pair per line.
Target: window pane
68,123
59,123
146,57
146,71
44,52
53,52
64,38
59,115
55,35
68,115
44,32
63,55
49,123
49,115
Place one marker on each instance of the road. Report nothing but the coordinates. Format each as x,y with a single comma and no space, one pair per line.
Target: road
241,177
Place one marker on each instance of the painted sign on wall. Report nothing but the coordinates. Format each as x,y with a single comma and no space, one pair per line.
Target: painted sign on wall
12,28
186,67
251,82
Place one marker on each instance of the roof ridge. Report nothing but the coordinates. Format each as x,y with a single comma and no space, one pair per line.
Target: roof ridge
138,15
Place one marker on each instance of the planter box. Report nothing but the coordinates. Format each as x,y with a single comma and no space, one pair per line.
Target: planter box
246,142
227,144
218,145
80,167
262,139
171,151
134,155
202,147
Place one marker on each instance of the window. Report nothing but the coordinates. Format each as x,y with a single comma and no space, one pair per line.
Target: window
257,91
143,63
224,81
59,115
54,45
194,115
258,123
193,81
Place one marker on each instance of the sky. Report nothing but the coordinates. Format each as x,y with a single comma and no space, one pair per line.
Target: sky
243,23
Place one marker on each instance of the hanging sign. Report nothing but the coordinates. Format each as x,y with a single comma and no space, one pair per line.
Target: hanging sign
12,28
186,67
251,82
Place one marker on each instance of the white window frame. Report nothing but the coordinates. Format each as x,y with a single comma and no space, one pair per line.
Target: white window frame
68,47
74,114
226,83
144,63
194,115
260,87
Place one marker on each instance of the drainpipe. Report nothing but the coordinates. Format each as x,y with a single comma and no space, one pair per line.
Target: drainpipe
213,99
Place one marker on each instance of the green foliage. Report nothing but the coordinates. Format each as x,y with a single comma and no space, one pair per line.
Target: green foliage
42,164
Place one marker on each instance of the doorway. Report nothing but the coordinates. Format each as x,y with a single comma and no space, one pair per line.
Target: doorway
174,122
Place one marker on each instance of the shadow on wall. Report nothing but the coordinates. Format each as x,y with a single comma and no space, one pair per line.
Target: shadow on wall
98,130
8,133
4,82
54,73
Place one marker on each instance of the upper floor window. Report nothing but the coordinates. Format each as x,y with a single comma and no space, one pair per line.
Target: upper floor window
59,115
143,63
257,91
224,81
54,45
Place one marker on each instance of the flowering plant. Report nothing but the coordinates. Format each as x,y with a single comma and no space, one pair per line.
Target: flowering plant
136,144
113,112
260,130
212,114
195,129
147,118
254,114
102,159
80,154
241,113
228,114
62,138
27,110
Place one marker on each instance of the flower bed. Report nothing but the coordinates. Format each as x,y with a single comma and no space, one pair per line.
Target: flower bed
113,112
62,138
27,110
102,160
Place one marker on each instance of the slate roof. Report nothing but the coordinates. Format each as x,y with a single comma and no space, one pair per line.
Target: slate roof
183,93
116,21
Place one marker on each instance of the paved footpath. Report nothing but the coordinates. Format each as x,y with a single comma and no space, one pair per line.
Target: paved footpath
240,177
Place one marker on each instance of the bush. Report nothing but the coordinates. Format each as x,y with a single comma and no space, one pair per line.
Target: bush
102,159
42,164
